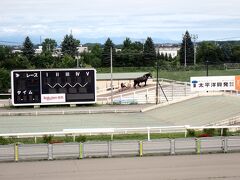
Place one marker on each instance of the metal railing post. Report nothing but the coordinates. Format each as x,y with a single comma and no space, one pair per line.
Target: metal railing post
140,148
198,146
50,152
185,132
149,135
185,89
80,150
172,146
16,152
225,145
109,149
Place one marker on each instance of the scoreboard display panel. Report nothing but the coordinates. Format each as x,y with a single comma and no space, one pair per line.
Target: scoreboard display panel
57,86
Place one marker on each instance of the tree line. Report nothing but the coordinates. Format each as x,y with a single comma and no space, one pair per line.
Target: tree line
128,54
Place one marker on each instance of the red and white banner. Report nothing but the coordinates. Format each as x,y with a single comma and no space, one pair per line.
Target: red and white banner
53,98
215,83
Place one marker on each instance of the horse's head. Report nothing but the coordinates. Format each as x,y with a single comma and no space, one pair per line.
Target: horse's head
148,75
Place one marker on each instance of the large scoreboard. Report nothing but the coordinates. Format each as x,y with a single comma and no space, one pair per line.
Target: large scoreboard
55,86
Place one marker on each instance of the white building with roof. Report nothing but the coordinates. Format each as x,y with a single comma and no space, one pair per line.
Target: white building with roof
38,50
82,49
169,50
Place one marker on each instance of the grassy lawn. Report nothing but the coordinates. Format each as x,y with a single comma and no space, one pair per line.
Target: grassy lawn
185,75
179,75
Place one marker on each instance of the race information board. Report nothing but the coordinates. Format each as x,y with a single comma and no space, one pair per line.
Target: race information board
58,86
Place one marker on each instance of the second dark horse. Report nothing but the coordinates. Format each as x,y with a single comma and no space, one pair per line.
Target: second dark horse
139,80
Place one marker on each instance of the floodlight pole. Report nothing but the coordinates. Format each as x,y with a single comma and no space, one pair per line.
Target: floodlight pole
195,37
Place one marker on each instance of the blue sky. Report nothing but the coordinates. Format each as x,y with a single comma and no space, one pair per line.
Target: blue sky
137,19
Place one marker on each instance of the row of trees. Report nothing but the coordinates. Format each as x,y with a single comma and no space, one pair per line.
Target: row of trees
213,52
132,54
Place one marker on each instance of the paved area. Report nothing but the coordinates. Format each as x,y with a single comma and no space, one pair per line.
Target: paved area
80,108
197,111
184,167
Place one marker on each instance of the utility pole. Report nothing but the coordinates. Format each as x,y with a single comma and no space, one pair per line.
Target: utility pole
194,37
207,67
78,57
185,50
111,76
157,84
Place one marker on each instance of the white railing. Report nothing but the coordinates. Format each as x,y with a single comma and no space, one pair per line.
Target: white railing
107,90
226,122
112,131
148,95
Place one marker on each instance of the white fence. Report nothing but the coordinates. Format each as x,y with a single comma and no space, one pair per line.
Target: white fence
112,131
227,122
170,91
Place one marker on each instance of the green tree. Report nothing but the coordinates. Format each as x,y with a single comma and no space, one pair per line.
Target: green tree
209,51
106,56
44,60
28,49
227,50
131,54
127,44
138,46
125,57
18,62
149,53
92,58
4,80
69,45
66,62
5,55
187,48
48,45
236,54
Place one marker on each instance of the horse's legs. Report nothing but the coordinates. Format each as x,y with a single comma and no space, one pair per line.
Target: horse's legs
139,84
145,83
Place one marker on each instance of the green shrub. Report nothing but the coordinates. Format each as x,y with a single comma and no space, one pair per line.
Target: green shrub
3,141
224,132
210,132
68,139
47,139
81,138
191,133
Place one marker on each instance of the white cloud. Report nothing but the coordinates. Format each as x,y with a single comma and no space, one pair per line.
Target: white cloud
94,18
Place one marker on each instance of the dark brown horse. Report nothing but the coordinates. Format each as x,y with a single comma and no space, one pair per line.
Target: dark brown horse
139,80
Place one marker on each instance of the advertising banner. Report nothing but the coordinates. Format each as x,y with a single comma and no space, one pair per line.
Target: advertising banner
215,83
